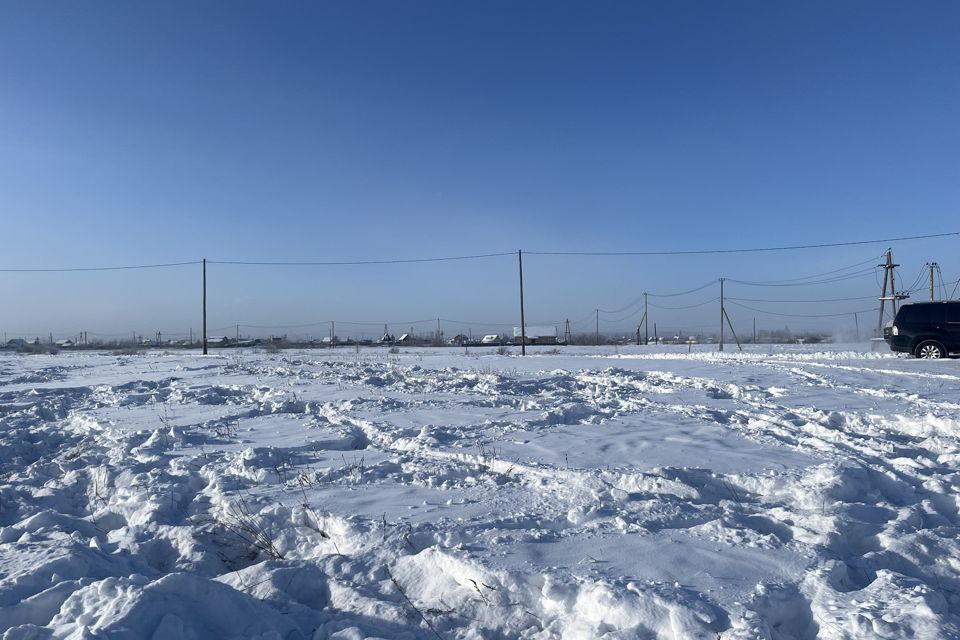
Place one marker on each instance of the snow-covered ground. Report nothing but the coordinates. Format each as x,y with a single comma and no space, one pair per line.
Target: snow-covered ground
639,492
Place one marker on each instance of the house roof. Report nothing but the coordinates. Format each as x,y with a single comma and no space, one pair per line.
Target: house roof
536,332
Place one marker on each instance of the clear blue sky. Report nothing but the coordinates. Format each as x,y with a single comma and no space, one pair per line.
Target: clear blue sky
155,132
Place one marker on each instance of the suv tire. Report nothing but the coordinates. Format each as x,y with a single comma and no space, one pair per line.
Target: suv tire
930,349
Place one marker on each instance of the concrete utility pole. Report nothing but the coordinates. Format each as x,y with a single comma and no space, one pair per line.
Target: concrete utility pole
523,320
598,326
888,275
204,306
646,320
725,316
721,314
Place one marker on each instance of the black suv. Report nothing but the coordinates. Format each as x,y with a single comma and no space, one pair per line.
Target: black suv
926,329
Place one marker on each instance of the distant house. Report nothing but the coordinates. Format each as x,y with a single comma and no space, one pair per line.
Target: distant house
491,339
405,339
536,335
218,341
459,339
64,344
16,343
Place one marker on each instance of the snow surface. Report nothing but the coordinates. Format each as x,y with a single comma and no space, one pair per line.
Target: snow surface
639,492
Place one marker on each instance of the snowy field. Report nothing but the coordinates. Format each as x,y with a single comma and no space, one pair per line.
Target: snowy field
643,492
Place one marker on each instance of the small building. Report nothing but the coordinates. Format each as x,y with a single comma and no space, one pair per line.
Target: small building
405,339
16,343
64,344
536,335
491,339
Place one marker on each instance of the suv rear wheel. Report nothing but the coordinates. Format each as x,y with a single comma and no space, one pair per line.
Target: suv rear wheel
930,349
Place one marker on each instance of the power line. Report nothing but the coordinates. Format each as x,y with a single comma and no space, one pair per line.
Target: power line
741,250
430,321
120,268
806,300
916,285
321,323
683,293
334,263
820,275
469,323
483,255
631,304
804,315
805,283
630,314
809,279
690,306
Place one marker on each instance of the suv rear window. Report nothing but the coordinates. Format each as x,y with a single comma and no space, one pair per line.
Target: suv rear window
925,313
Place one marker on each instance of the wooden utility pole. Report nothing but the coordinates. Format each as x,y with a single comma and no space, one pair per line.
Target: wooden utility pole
932,265
204,306
754,330
722,313
598,326
566,333
856,325
523,320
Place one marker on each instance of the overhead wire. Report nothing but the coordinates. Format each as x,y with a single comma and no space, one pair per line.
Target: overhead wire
801,301
683,293
691,306
631,304
483,255
819,275
117,268
804,315
334,263
806,283
741,250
